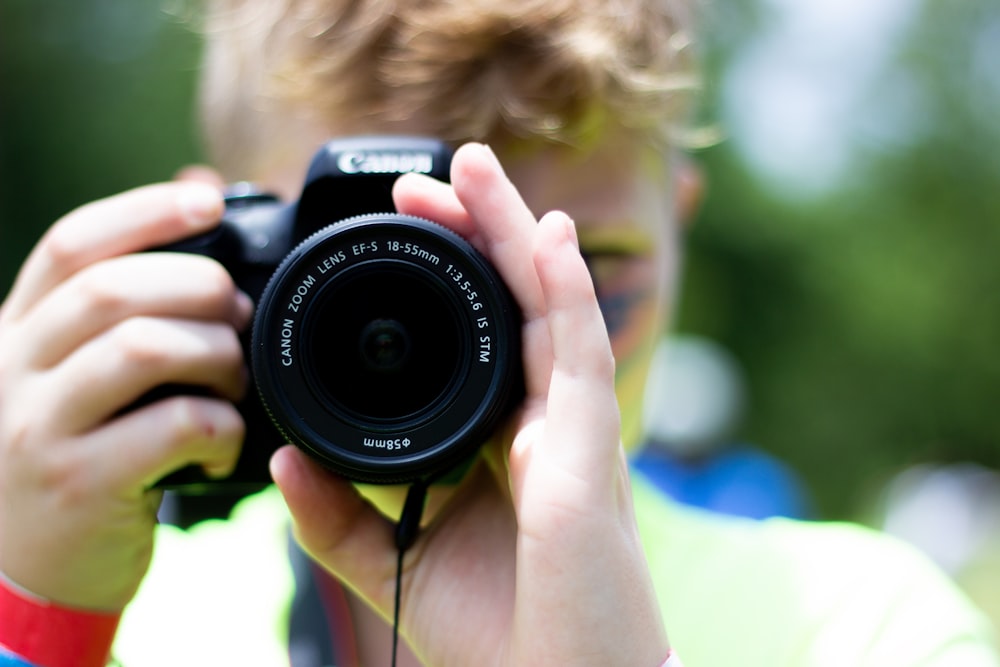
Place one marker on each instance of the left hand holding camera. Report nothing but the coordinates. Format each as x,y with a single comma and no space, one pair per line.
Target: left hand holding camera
87,330
534,558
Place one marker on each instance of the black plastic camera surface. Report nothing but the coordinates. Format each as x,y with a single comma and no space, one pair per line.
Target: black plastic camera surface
383,345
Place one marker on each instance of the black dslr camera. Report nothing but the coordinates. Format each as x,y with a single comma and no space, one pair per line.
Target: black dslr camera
383,345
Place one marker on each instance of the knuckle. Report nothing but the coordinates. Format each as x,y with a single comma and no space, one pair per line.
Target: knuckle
199,419
21,428
17,436
216,281
60,245
606,366
139,342
97,290
188,420
66,479
56,469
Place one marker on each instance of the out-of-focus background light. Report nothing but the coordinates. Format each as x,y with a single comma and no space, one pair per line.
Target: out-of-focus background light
821,78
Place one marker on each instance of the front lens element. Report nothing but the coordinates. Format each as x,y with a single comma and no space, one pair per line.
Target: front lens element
386,343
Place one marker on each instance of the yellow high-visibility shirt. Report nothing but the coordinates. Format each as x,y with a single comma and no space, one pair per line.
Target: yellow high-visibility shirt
734,593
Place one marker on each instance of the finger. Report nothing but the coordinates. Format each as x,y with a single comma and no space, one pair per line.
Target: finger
115,369
153,284
141,447
336,526
484,206
582,428
502,218
200,173
135,220
426,197
508,228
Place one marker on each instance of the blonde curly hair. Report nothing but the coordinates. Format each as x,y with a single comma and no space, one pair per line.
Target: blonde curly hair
564,71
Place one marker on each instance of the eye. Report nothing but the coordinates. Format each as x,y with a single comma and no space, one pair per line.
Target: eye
604,264
608,252
619,285
615,239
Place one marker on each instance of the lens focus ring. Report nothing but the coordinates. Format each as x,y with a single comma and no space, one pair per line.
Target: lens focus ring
387,347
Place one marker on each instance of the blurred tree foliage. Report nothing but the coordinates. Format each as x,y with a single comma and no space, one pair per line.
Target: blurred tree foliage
96,97
865,315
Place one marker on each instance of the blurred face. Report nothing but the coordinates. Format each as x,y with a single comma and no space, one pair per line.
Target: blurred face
622,200
622,203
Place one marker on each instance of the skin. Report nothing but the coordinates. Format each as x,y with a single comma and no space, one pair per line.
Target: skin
536,549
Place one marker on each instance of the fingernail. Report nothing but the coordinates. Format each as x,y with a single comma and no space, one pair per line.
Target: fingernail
244,309
570,225
561,218
201,205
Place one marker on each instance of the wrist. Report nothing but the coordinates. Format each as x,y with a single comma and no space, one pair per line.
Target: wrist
48,634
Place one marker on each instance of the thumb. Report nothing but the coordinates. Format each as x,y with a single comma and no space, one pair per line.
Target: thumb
337,527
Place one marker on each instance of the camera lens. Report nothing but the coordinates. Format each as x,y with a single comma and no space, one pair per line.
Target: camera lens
385,342
384,345
387,347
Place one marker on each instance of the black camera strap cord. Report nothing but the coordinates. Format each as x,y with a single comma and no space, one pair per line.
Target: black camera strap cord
407,530
320,626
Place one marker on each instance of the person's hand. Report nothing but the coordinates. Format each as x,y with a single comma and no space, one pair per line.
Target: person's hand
535,559
87,329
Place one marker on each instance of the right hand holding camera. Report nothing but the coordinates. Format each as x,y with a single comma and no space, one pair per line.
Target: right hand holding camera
86,331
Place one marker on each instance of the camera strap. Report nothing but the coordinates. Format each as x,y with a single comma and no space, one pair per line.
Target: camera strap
321,632
407,530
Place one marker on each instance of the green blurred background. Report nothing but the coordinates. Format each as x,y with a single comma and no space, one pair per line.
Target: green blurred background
846,253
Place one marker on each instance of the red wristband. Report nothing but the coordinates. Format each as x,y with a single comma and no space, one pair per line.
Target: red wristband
48,635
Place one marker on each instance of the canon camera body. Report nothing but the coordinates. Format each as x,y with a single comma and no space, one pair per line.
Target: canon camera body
384,345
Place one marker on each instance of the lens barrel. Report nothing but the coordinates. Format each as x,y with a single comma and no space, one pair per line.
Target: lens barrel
387,347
